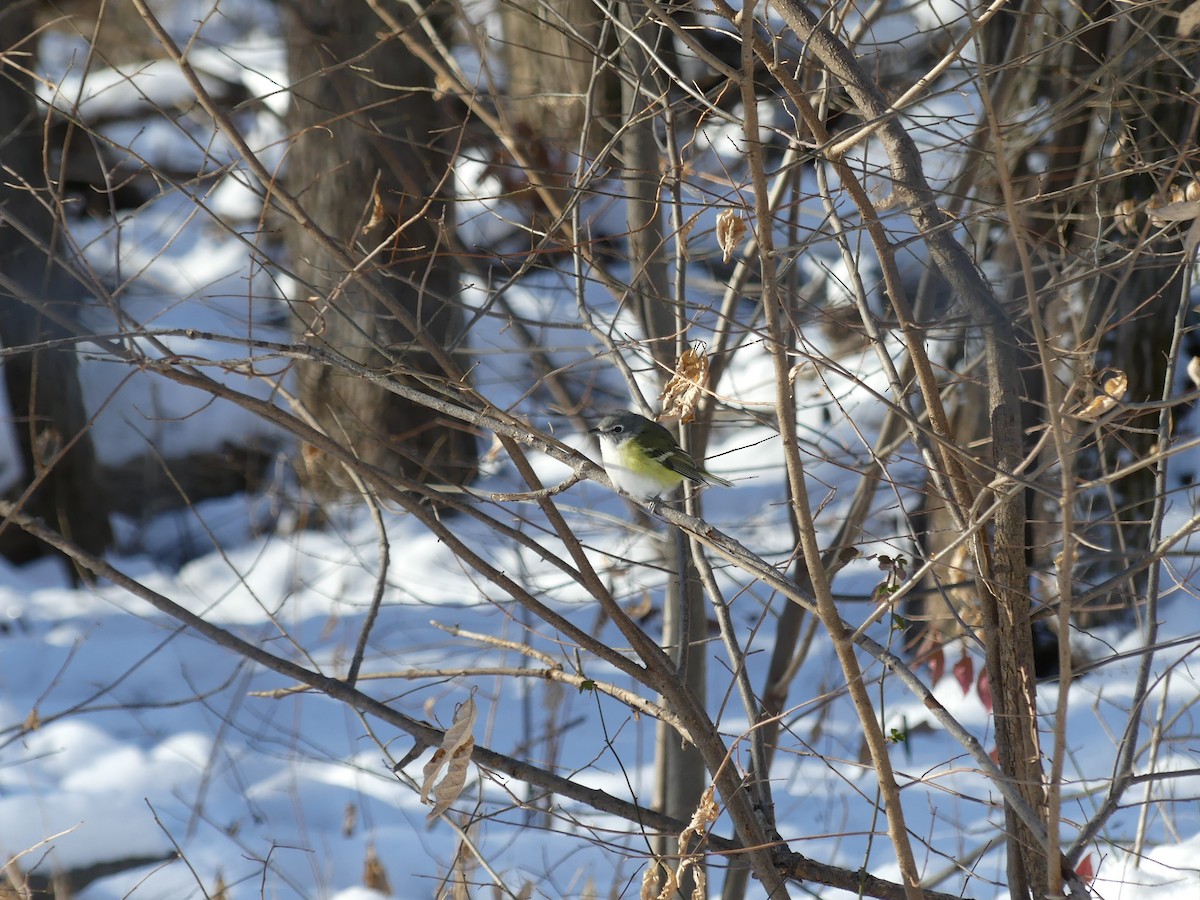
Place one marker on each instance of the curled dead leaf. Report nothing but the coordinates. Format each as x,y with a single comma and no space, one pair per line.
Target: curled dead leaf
1116,385
689,861
451,760
683,392
374,874
1086,870
377,214
799,369
684,231
1121,155
1125,214
1188,20
706,813
964,672
731,228
1178,211
1113,390
651,880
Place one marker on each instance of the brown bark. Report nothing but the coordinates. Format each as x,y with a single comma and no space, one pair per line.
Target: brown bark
558,88
369,162
38,301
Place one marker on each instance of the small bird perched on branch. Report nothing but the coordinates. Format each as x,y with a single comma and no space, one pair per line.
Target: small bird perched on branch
643,459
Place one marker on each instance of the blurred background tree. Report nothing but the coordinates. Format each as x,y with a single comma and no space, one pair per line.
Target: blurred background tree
54,475
370,161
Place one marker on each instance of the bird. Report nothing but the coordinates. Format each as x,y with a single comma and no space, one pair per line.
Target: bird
642,458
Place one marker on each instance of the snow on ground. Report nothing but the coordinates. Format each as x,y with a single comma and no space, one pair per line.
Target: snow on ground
151,737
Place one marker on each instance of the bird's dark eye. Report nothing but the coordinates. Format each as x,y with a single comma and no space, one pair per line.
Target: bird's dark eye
617,429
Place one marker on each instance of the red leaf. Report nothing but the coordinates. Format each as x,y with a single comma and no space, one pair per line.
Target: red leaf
964,672
983,687
1085,871
994,755
937,665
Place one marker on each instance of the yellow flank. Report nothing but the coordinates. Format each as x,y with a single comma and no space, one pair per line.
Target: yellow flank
641,465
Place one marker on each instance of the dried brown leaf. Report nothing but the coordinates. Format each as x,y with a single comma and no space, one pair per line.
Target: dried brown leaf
799,369
450,761
650,881
1180,211
377,214
964,672
448,789
1097,407
1122,152
374,875
1188,20
731,228
683,392
1113,390
671,886
430,772
1125,214
706,813
684,231
1116,385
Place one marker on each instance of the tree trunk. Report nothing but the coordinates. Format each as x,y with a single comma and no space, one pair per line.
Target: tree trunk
368,161
558,88
39,301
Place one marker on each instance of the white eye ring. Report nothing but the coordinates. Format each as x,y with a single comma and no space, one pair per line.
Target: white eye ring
617,429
